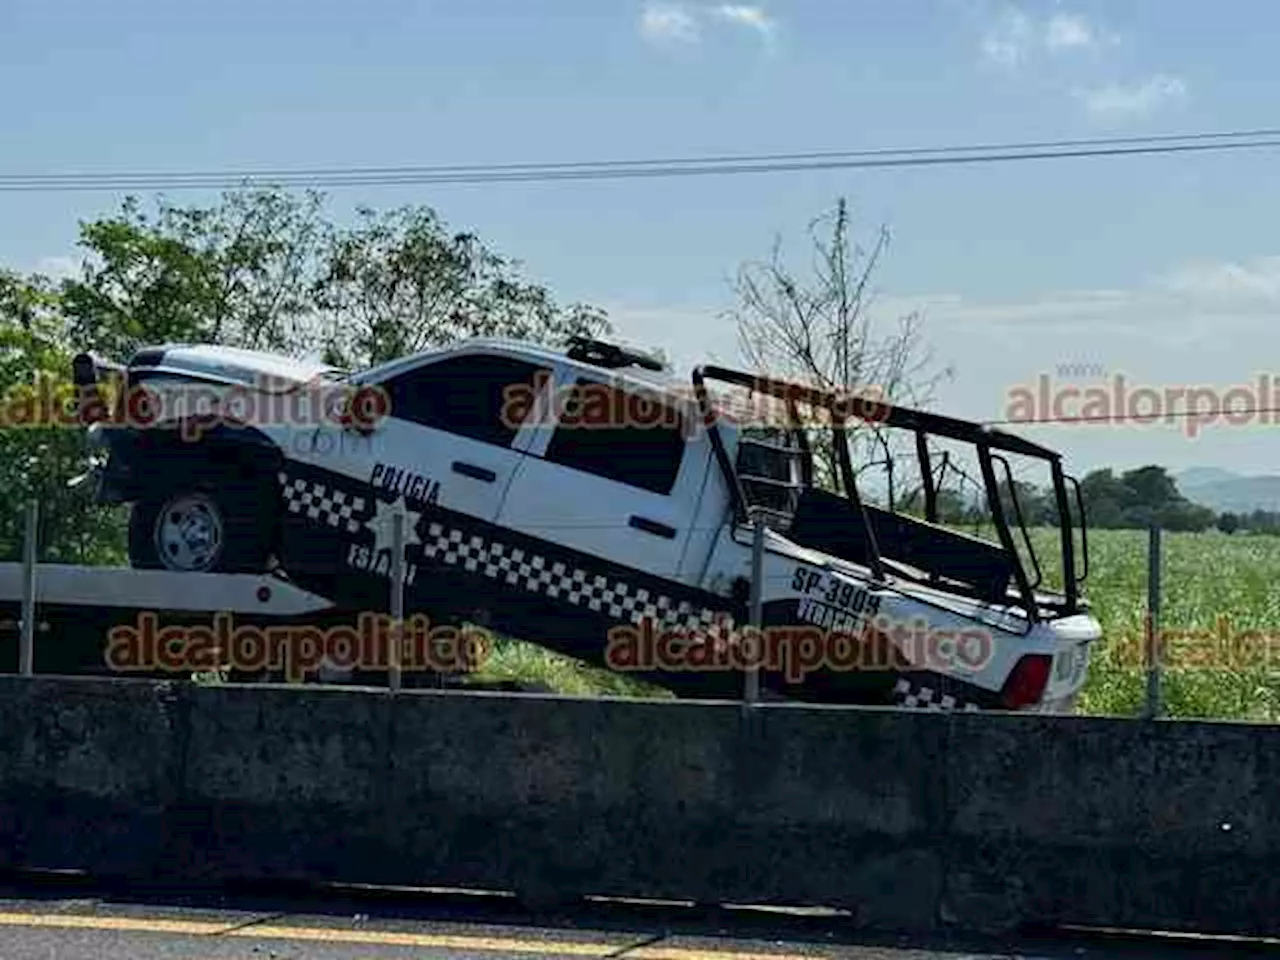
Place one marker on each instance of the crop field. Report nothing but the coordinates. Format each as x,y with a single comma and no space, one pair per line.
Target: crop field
1220,621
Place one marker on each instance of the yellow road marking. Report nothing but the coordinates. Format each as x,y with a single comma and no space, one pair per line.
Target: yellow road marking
89,922
682,953
439,941
442,941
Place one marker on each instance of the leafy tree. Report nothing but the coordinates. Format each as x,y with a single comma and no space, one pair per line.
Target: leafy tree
1036,507
400,282
38,455
259,269
1105,497
1262,521
1139,498
1185,517
1151,487
237,273
264,269
1228,523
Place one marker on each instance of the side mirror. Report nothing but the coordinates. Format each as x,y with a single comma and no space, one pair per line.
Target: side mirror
365,410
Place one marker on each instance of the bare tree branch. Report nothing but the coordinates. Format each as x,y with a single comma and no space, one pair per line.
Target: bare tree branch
819,329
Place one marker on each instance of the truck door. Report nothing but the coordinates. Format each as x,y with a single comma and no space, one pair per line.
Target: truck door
446,454
613,474
449,441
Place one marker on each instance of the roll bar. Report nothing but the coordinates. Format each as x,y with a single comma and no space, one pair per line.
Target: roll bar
845,408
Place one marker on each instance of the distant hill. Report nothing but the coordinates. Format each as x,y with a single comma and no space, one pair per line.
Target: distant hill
1202,476
1223,490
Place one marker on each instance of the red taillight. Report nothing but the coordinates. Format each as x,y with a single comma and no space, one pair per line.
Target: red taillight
1026,684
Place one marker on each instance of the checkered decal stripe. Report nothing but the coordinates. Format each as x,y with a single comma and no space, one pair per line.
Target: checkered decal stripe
514,566
518,567
319,503
917,697
556,579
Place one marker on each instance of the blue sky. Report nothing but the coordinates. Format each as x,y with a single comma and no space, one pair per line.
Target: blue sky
1163,269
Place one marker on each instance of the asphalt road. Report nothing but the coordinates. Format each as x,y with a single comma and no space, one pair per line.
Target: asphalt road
44,922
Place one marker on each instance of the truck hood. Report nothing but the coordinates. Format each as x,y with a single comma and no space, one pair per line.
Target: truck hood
230,365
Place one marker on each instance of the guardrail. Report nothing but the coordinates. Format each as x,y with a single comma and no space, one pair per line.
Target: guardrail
913,821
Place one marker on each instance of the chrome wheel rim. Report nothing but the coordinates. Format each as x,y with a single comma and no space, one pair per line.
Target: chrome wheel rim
189,533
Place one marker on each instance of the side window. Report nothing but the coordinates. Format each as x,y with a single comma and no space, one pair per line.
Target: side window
623,436
482,397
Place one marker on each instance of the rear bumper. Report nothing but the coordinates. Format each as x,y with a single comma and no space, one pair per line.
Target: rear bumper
1060,706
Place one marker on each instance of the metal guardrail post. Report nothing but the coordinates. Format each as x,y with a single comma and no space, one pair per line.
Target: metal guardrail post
27,647
751,694
1154,646
395,638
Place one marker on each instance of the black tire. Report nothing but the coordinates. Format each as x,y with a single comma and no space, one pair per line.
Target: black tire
238,510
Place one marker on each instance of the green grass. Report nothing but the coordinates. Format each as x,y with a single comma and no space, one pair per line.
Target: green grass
1212,584
524,662
1208,577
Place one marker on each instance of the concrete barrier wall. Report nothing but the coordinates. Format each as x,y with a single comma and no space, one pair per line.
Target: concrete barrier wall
909,820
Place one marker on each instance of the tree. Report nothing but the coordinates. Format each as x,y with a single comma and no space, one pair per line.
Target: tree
237,273
1228,523
1139,498
37,455
1034,505
1152,486
260,269
819,330
1184,516
400,282
1106,498
264,269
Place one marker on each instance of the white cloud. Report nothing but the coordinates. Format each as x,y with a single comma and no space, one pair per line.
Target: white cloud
668,23
1067,310
1067,31
1255,281
1180,329
1008,42
1131,101
1184,301
752,17
1014,37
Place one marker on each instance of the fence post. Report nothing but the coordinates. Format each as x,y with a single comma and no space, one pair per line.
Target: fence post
752,692
27,647
1154,644
395,639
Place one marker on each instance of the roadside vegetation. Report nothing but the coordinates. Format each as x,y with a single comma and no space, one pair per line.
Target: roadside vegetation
1220,617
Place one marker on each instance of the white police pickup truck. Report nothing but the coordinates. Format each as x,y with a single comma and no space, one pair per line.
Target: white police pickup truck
585,499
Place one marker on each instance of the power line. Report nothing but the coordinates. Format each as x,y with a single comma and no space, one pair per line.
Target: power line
625,169
1142,419
681,161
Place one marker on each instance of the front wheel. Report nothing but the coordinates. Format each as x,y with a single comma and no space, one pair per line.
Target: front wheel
198,531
